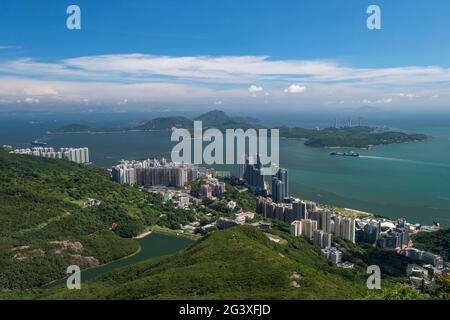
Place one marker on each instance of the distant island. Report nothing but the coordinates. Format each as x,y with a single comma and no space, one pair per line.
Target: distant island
354,137
213,119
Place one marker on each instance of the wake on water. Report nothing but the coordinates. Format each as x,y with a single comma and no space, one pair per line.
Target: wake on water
444,165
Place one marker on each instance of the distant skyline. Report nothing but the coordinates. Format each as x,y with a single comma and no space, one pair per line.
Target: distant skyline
229,55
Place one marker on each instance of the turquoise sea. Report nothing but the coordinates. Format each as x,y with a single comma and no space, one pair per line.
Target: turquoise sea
403,180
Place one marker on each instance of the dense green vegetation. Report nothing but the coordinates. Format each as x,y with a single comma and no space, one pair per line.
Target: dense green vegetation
42,201
237,263
397,291
219,119
391,264
174,218
245,200
437,242
356,137
166,123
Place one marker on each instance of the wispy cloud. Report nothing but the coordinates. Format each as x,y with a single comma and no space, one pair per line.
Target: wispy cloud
226,69
10,47
143,77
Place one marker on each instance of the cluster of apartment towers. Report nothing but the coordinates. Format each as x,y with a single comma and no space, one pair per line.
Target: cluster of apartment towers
78,155
153,172
305,218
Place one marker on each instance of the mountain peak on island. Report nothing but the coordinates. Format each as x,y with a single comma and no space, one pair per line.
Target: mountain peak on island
220,119
214,118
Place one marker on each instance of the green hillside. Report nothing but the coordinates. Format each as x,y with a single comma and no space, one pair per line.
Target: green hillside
357,137
165,123
45,226
237,263
42,205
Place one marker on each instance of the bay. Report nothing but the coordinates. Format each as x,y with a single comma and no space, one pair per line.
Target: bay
409,180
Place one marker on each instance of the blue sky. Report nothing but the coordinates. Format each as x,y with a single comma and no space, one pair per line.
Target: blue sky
187,54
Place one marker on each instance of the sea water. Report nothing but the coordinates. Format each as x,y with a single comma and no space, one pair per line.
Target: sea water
410,180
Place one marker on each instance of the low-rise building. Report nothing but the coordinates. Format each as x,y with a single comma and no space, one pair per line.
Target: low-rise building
243,216
262,225
225,223
92,203
212,187
346,265
416,271
231,205
425,256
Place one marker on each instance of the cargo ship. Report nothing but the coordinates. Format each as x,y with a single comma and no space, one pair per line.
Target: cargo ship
345,154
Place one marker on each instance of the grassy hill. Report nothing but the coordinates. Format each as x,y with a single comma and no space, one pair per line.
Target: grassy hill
237,263
44,224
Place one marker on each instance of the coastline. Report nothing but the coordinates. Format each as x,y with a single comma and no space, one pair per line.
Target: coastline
50,284
174,233
101,132
142,235
160,230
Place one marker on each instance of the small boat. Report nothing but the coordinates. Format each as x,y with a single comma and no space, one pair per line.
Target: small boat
37,143
345,154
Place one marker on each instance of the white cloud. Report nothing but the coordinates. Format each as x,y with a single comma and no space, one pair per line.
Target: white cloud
378,101
218,103
122,102
295,88
31,100
254,89
410,96
40,91
387,100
